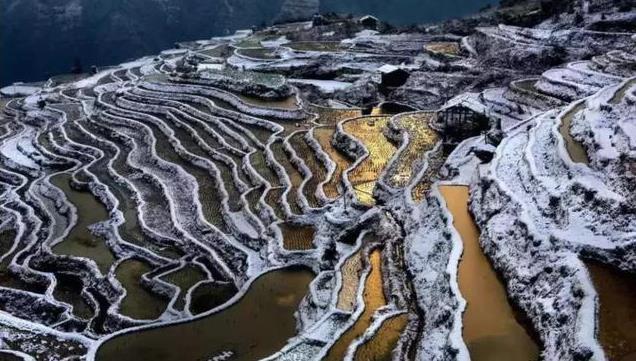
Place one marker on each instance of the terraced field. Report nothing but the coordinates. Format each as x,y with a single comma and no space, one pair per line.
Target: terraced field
169,209
368,131
168,197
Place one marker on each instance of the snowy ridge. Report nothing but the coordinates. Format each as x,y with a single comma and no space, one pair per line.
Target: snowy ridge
532,190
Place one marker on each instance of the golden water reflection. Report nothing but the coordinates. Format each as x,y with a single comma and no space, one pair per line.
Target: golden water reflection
373,299
351,272
382,344
324,136
369,131
491,330
421,139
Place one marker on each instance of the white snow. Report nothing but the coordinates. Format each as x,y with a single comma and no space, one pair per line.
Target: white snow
469,100
241,221
208,66
387,68
17,149
19,89
327,86
239,34
533,190
174,52
366,33
275,43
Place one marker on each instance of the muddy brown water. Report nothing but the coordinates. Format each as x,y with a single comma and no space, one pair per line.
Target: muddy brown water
69,290
491,330
185,278
80,241
382,344
351,271
617,311
139,303
374,298
620,94
257,325
575,149
208,295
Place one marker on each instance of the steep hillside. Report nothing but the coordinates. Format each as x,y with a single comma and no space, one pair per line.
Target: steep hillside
41,38
331,190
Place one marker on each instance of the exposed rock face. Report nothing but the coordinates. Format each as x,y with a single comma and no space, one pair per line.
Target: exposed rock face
298,9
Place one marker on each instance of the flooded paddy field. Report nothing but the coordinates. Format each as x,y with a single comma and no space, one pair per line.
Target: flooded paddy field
351,272
321,46
373,298
185,278
318,173
272,195
287,103
254,326
575,149
369,131
324,135
491,330
139,302
259,53
69,289
617,310
209,295
421,139
297,238
80,241
380,347
295,177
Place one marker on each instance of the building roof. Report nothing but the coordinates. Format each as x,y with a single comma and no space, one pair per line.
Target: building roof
467,100
369,17
388,68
